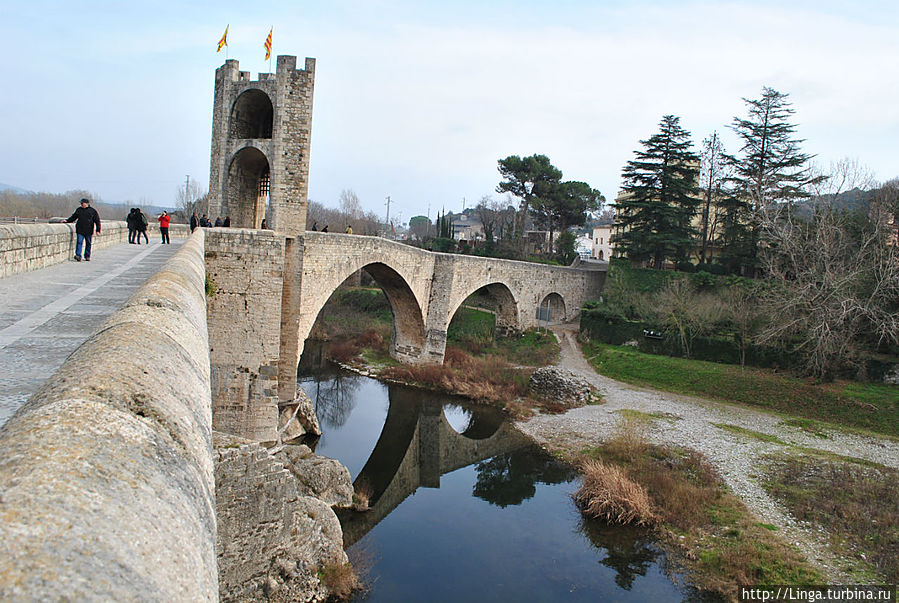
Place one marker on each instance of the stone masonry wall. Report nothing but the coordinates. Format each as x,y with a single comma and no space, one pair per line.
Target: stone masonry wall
246,268
106,476
27,247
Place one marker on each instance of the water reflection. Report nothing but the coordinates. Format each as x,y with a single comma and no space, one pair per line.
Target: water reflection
510,478
465,507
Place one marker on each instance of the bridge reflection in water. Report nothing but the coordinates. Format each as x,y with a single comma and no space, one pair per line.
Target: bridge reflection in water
504,527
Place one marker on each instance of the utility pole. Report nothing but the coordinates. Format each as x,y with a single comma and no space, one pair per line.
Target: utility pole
186,191
388,211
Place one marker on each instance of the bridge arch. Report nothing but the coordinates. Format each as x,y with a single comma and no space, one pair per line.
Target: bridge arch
252,115
504,304
551,308
408,334
248,187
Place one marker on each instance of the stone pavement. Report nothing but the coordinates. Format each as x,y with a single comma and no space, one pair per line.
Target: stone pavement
46,314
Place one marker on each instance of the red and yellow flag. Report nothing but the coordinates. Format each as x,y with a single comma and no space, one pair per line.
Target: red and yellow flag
268,45
224,40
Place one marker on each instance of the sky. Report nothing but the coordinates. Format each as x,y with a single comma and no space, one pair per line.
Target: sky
418,100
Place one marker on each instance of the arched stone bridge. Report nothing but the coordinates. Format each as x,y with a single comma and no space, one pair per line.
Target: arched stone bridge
270,287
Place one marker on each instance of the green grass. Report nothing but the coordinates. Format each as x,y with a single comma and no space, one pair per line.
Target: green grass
648,417
868,406
855,505
749,433
471,326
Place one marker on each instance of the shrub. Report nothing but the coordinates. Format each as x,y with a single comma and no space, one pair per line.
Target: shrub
608,494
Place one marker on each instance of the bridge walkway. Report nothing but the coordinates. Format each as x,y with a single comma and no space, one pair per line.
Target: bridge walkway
46,314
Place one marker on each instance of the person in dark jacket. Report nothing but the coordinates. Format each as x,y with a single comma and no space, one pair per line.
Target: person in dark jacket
132,225
141,220
85,218
194,222
227,222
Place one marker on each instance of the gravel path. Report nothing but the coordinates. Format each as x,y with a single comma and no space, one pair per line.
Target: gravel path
690,422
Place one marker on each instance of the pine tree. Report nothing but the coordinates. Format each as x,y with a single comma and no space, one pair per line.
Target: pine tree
659,198
770,172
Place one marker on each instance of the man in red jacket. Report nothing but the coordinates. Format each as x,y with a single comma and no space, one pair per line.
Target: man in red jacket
85,217
164,226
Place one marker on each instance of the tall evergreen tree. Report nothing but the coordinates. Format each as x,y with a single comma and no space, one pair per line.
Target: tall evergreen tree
770,171
659,198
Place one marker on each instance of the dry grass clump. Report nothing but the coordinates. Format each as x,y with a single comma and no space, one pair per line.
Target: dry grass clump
362,493
343,351
608,494
340,578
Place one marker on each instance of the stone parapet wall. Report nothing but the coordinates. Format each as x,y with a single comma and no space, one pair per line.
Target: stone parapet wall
106,476
27,247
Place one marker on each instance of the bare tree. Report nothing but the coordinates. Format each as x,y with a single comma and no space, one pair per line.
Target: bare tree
191,198
350,207
687,312
714,172
834,293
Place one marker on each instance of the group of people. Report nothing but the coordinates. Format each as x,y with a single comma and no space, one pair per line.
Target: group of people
347,230
137,226
204,222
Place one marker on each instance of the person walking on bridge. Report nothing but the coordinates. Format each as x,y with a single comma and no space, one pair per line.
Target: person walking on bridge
141,220
164,220
85,218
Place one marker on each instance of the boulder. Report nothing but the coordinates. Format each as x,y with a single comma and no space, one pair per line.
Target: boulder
318,476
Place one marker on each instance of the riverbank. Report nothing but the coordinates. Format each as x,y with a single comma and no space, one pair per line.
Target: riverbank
737,441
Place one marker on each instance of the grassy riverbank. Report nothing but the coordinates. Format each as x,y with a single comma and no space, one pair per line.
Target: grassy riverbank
868,406
714,537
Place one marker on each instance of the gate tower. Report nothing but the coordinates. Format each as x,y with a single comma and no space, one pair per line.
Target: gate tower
261,131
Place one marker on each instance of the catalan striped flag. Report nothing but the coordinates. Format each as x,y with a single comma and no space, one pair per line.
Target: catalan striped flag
224,40
268,45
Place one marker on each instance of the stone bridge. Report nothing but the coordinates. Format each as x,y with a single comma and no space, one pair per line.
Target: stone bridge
269,288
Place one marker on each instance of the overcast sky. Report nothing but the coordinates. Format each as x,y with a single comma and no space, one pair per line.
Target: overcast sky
418,100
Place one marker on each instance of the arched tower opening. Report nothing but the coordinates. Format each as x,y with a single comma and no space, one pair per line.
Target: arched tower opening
551,309
252,115
249,188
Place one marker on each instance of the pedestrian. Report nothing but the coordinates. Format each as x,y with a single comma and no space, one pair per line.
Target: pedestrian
85,218
164,220
132,225
204,221
218,222
227,222
141,221
314,225
194,222
349,229
325,229
264,224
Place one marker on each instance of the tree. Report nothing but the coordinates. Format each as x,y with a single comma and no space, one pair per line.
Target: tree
350,207
530,179
192,198
713,173
834,285
771,172
419,227
565,204
658,198
685,311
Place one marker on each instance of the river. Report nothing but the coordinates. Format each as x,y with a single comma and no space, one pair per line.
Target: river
466,508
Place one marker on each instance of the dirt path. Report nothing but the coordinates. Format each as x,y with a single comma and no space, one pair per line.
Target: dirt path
691,423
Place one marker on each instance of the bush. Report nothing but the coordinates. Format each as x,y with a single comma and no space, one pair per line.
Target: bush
685,267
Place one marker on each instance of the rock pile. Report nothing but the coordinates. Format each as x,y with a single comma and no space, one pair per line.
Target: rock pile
561,385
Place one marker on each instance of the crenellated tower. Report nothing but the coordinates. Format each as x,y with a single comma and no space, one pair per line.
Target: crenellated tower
261,132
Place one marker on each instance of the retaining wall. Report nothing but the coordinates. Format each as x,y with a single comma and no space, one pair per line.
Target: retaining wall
106,476
26,247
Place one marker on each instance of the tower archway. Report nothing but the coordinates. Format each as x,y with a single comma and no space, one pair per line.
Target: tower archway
252,115
249,188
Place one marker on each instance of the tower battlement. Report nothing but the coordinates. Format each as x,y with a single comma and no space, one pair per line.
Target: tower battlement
261,133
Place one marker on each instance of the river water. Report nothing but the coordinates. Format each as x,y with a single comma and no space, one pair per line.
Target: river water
466,508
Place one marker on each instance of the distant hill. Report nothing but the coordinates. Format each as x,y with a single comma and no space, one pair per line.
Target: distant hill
10,187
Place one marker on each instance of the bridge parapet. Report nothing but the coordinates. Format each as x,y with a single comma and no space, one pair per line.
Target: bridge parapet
27,247
107,472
